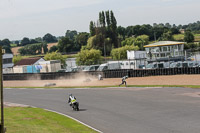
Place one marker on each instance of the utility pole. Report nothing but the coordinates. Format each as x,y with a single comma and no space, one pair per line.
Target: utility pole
1,90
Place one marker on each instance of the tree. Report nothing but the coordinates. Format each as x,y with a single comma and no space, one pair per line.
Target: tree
65,45
96,42
140,41
32,41
188,37
88,57
31,49
38,39
16,59
6,45
17,42
128,41
71,34
49,38
114,30
53,49
167,36
7,49
81,40
102,19
45,47
5,42
55,56
105,36
92,28
25,41
121,31
121,53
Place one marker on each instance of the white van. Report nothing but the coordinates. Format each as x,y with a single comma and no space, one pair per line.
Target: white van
109,66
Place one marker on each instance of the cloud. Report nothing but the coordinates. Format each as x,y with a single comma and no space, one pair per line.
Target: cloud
15,8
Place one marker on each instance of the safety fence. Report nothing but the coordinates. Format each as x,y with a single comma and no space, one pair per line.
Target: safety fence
150,72
117,73
48,76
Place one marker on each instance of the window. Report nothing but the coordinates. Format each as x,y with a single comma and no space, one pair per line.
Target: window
176,53
180,47
169,48
7,61
164,49
160,48
162,54
147,50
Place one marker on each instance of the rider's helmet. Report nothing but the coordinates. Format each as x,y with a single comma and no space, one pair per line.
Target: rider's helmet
70,94
126,76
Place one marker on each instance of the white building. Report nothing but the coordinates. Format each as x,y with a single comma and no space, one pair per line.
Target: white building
50,66
70,63
165,51
27,65
136,59
7,63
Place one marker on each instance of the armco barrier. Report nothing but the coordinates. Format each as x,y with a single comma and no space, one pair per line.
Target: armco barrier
150,72
47,76
118,73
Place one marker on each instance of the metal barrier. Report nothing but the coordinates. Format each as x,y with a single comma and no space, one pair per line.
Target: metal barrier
118,73
150,72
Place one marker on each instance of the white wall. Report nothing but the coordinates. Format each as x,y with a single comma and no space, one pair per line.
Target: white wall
50,66
136,54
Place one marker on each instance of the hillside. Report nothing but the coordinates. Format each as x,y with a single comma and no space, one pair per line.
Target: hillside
15,49
180,37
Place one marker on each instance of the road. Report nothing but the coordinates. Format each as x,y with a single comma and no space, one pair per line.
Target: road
121,110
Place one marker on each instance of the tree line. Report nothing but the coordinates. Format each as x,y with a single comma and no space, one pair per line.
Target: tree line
106,37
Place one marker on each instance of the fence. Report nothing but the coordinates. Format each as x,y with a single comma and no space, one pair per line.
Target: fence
47,76
150,72
118,73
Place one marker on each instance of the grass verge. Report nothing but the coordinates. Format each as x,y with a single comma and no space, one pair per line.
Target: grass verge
36,120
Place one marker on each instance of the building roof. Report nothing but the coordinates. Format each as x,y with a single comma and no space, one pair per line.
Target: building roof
7,55
27,61
163,43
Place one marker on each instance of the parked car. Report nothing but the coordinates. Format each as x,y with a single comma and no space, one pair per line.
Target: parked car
155,65
91,68
141,66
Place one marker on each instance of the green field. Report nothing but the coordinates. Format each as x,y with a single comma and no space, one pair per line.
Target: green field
35,120
197,37
13,45
180,37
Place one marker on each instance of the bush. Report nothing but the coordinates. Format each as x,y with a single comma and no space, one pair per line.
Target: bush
88,57
121,53
16,59
55,56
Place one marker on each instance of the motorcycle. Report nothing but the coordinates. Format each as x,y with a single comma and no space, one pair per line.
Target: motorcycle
75,106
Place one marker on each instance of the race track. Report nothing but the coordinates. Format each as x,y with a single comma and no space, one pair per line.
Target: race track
121,110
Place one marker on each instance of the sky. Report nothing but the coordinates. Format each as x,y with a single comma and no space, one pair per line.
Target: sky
35,18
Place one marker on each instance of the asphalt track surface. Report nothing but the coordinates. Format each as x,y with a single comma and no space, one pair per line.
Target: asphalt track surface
121,110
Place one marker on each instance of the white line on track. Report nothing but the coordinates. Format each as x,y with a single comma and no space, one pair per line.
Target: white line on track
75,120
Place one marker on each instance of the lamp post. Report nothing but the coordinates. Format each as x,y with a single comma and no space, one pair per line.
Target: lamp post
1,90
